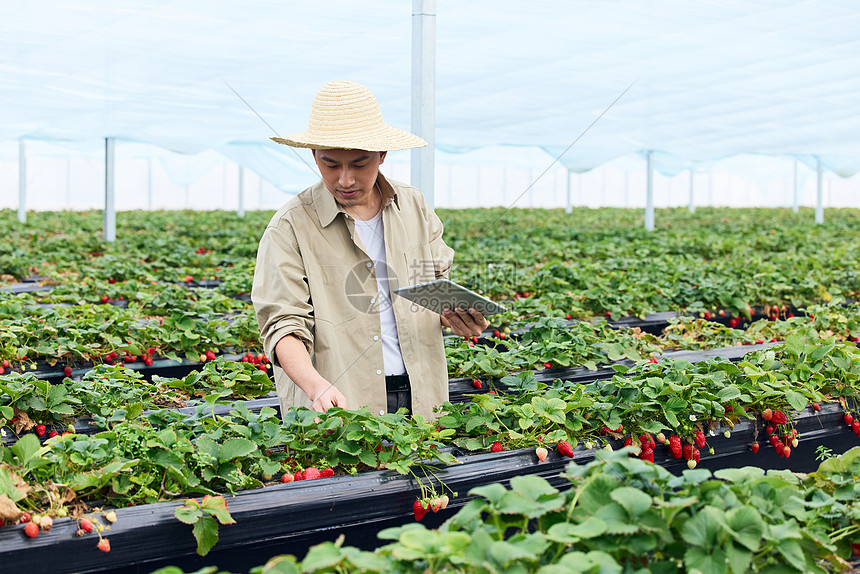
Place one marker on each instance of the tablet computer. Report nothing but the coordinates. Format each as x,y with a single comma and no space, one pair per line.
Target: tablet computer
441,293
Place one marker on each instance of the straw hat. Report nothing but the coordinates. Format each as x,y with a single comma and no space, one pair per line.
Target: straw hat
345,115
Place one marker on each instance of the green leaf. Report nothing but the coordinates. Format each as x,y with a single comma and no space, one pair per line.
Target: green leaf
728,393
206,533
322,556
701,530
796,400
504,553
634,501
793,554
698,559
234,448
739,558
217,507
747,526
187,514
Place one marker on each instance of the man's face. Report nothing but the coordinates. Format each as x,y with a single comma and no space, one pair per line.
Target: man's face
350,174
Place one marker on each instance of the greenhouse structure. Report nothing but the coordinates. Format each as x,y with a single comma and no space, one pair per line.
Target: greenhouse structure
653,206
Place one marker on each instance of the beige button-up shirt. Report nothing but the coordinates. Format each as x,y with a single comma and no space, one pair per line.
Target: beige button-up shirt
314,280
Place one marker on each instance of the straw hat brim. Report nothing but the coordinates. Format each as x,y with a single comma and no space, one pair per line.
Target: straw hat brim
387,139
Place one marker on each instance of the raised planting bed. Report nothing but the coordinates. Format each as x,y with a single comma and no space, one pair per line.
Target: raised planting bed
290,518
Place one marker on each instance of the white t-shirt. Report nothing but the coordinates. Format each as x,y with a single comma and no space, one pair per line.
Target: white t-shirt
372,235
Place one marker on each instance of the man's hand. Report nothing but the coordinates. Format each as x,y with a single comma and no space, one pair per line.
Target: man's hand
464,323
296,362
327,396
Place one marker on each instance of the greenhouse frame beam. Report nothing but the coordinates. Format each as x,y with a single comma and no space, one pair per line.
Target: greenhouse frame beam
22,182
649,194
110,196
424,96
819,206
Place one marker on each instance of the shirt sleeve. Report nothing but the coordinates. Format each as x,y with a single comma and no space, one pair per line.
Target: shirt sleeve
280,290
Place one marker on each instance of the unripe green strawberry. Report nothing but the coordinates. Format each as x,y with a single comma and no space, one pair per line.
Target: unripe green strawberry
691,464
445,500
727,433
110,516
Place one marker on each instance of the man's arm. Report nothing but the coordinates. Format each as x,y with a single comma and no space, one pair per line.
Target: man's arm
294,359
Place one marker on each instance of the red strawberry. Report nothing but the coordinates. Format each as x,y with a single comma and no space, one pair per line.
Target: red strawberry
848,418
287,478
786,451
327,472
2,371
547,365
67,371
608,314
769,429
25,517
568,316
150,351
647,454
31,530
728,408
700,439
541,453
497,447
476,383
496,333
475,340
707,315
696,455
210,354
687,451
767,414
754,447
105,299
677,451
41,430
855,426
654,360
816,407
53,433
148,361
779,418
419,509
6,364
628,441
86,525
312,473
104,545
299,476
565,449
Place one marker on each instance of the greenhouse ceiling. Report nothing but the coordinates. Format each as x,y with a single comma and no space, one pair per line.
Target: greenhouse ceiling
692,80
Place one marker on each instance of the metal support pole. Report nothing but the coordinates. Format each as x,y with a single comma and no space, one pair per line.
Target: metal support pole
149,183
796,205
241,210
424,95
649,195
22,183
692,195
110,199
69,183
568,208
819,206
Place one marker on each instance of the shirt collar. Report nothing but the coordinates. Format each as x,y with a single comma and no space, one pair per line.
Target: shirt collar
327,208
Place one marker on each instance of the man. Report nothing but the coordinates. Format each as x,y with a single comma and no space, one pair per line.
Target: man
329,260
